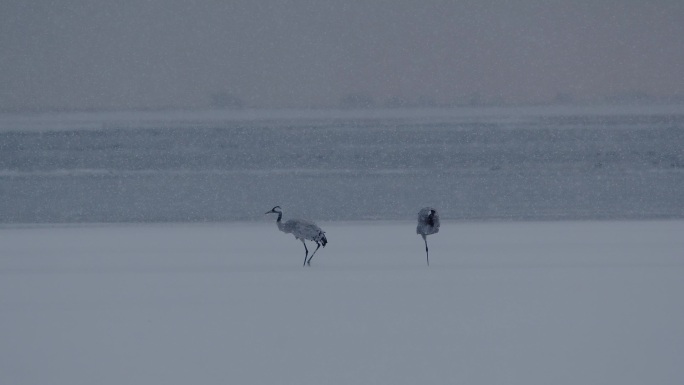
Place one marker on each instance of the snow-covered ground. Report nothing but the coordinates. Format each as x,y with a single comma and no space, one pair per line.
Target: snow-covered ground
502,303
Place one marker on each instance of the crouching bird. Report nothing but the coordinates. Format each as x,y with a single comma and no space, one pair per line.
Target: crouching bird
302,230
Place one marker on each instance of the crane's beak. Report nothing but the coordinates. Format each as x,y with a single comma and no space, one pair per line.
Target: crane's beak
268,212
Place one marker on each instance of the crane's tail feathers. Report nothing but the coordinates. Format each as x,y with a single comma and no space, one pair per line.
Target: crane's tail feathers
324,240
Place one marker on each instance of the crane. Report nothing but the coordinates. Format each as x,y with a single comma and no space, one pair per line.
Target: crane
302,230
428,223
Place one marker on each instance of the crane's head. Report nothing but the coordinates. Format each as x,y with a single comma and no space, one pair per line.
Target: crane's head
275,210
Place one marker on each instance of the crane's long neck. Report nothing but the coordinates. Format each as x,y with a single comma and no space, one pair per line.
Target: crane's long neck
278,221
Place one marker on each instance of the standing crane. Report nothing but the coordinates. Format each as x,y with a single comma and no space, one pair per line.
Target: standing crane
428,223
302,230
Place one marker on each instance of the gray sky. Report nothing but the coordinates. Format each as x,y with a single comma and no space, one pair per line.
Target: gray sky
160,53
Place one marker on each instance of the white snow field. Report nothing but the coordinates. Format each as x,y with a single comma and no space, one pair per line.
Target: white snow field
501,303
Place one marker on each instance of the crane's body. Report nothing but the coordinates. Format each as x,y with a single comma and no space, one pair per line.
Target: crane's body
302,230
428,223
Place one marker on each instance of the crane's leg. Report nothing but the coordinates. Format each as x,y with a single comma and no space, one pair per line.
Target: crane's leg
427,255
306,252
309,262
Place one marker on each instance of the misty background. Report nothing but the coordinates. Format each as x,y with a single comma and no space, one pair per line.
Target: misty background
99,55
160,111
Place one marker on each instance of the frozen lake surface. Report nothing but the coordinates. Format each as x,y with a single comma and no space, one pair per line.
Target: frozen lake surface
575,302
498,163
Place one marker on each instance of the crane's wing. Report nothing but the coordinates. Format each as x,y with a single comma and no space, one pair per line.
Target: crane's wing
304,229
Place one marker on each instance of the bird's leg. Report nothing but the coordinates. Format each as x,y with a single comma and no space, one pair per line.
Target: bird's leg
309,262
306,252
427,255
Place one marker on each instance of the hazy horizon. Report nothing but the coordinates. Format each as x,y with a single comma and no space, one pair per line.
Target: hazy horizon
313,54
